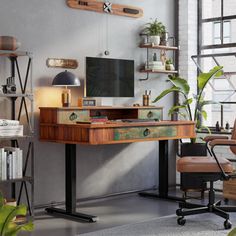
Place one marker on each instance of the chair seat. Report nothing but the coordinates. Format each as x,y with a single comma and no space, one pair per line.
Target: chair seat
199,164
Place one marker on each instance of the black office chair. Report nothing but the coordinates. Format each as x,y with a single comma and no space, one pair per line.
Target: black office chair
208,169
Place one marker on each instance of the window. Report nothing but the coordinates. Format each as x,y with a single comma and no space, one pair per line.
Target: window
217,32
217,46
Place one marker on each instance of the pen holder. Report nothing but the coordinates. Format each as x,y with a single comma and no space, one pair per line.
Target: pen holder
146,100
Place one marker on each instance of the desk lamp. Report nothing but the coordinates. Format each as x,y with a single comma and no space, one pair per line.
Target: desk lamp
66,79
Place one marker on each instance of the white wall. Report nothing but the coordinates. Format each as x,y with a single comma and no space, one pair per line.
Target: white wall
51,29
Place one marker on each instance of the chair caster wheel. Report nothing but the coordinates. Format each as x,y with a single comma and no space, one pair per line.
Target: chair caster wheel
178,212
181,221
227,224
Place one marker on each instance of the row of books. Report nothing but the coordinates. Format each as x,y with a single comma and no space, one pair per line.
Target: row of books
11,163
10,128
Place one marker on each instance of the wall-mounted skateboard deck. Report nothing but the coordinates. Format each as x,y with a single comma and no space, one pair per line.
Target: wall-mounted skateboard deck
106,7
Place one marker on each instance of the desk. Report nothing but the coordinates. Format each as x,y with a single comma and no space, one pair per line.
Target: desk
58,125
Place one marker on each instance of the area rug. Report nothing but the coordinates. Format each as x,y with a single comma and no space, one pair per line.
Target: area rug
207,225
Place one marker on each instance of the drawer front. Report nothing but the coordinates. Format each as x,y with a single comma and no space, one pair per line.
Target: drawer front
70,117
150,114
144,132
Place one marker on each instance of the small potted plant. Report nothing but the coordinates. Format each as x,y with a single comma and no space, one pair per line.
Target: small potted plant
169,65
154,30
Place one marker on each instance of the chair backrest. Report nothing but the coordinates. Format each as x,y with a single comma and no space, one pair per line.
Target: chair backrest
233,149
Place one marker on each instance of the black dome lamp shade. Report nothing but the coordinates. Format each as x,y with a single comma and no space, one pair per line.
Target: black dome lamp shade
66,79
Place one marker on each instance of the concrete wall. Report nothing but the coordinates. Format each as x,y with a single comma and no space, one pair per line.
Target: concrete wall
51,29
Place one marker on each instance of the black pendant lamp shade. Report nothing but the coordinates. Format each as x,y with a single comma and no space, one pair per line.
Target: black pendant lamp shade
66,78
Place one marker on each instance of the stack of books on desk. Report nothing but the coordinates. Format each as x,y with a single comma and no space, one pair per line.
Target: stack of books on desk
11,163
98,119
10,128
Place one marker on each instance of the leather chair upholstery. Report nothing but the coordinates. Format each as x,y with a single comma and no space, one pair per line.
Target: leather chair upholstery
209,169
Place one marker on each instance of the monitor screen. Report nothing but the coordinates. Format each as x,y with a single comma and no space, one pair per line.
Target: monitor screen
109,77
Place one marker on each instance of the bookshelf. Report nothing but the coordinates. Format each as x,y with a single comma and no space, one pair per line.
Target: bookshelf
21,107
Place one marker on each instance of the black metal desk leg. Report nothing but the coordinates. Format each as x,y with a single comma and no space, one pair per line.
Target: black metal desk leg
70,189
163,168
70,165
163,175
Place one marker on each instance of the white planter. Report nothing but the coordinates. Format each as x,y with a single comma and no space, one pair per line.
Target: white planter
154,39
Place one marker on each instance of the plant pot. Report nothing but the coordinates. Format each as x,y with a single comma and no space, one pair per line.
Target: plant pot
154,39
164,39
188,181
170,67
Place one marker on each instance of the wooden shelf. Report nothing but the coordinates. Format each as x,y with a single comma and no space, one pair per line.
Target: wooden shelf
12,95
162,47
4,53
159,71
26,178
29,136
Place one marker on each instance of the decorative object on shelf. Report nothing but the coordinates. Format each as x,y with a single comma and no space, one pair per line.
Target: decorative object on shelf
9,43
66,79
163,56
83,102
169,65
146,98
106,7
154,66
164,39
227,126
154,30
154,57
8,213
10,87
217,126
62,63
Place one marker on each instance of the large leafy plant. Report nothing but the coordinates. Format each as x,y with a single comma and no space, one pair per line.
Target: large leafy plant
154,28
182,87
7,214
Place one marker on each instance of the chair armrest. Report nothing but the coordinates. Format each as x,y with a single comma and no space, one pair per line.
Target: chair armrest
212,137
223,142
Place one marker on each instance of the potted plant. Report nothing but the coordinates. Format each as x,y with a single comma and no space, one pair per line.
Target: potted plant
169,65
8,227
154,30
196,114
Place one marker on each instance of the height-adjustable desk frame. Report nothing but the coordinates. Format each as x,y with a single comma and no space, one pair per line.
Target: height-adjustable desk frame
58,125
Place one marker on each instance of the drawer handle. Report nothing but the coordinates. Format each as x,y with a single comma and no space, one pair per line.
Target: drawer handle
73,116
146,132
150,114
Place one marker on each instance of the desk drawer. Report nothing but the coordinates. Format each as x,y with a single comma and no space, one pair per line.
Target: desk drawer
144,132
150,114
71,116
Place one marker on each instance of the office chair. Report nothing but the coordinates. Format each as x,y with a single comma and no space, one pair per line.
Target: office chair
209,169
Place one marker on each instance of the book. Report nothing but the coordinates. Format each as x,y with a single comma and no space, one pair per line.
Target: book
11,163
4,122
94,119
15,130
4,165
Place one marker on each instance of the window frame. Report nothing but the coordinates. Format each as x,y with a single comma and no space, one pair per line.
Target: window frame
201,47
220,19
